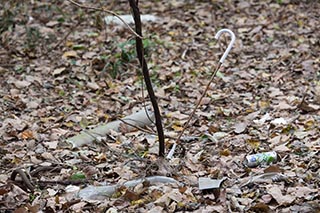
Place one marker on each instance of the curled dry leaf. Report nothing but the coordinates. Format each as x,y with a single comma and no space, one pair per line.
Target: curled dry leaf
58,71
281,199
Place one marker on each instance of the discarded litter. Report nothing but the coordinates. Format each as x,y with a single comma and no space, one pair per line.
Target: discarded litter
208,183
219,33
101,192
129,19
264,158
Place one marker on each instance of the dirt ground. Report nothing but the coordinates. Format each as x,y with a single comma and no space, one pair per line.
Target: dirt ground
63,70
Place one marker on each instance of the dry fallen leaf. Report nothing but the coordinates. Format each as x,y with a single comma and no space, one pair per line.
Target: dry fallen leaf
93,86
240,127
301,191
306,107
22,84
272,168
27,134
57,70
281,199
70,54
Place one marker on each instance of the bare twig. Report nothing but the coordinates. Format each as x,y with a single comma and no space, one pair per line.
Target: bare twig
107,11
146,75
199,102
44,183
144,102
26,181
36,171
193,112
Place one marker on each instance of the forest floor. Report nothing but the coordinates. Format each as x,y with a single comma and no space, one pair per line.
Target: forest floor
62,70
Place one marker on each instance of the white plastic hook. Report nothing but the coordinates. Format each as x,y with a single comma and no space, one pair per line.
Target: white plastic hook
233,38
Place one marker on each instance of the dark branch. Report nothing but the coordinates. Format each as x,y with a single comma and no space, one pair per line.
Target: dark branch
145,71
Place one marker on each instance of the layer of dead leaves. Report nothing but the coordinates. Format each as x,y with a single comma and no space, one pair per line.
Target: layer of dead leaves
63,70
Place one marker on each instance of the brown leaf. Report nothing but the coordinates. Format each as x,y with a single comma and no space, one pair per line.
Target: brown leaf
301,191
27,134
283,105
281,199
21,210
281,148
205,101
272,168
22,84
260,207
254,143
240,127
70,54
308,66
58,71
130,195
225,152
175,195
3,190
177,115
93,85
306,107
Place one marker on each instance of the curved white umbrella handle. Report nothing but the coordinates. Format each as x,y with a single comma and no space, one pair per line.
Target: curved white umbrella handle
233,38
